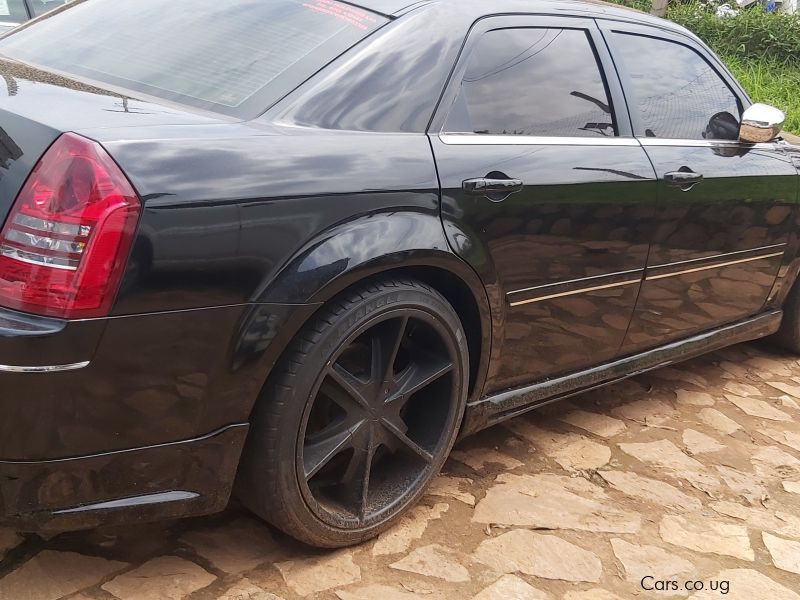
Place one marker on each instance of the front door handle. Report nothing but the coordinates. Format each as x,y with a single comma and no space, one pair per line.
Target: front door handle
495,190
684,179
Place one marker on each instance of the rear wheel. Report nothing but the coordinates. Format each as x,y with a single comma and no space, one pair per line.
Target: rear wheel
360,416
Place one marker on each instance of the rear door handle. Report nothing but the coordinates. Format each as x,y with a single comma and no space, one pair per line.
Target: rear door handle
684,179
495,190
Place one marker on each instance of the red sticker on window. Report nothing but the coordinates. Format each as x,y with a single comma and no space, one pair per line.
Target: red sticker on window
347,13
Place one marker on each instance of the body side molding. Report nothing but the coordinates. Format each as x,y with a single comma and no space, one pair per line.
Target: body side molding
661,271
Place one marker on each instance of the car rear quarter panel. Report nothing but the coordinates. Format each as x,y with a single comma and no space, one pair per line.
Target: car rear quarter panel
225,213
242,238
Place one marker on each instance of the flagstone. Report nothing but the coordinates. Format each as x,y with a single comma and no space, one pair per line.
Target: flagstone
540,555
700,443
692,398
785,553
722,423
652,490
411,527
433,561
599,424
642,560
553,502
510,587
758,408
162,578
306,576
51,575
707,535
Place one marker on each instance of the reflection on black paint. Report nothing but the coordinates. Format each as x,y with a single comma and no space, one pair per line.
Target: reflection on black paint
392,87
746,201
9,151
585,211
625,174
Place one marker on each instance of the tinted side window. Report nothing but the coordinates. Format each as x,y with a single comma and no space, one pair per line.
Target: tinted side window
677,93
533,81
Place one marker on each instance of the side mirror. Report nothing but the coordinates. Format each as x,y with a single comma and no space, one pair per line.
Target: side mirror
761,123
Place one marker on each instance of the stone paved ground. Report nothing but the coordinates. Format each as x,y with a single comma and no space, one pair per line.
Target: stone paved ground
689,473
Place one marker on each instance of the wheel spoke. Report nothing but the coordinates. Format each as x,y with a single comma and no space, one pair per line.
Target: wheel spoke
351,398
367,475
417,376
361,440
386,342
407,441
322,447
359,469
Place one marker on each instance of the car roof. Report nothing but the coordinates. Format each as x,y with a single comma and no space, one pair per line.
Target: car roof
479,8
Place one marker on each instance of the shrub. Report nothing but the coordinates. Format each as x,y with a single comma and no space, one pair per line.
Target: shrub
770,81
753,33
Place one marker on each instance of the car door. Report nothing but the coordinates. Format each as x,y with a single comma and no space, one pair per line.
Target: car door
725,209
544,192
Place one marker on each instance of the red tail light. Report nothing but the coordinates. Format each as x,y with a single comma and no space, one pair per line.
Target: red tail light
64,245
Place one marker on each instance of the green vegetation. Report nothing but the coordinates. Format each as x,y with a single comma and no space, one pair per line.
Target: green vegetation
772,81
761,49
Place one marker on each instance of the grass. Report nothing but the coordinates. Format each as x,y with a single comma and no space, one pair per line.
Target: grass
770,81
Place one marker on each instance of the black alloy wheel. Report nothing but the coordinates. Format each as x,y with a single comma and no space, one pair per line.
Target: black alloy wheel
382,409
375,390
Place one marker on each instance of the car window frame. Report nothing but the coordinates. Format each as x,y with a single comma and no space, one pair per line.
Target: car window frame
609,27
624,129
29,8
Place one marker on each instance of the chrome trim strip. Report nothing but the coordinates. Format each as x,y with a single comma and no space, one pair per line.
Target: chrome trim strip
719,256
44,369
714,266
648,141
49,227
43,242
132,502
40,260
573,292
479,139
545,287
631,281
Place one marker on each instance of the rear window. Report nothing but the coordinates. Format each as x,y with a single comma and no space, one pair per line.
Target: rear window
235,57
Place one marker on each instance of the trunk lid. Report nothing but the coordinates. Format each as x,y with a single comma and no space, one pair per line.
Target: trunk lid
36,106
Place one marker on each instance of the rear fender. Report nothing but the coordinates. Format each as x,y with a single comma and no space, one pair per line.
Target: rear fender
398,242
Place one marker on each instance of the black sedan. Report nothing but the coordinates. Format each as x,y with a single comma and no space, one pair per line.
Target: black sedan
291,250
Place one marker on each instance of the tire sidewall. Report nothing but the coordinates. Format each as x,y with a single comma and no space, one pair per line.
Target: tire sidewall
340,328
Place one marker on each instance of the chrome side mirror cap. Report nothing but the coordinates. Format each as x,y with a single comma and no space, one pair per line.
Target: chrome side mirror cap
761,123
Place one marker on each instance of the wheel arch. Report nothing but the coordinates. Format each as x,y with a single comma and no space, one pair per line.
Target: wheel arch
408,242
470,303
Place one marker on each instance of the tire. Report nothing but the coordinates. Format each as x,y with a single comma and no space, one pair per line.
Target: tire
375,385
788,336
